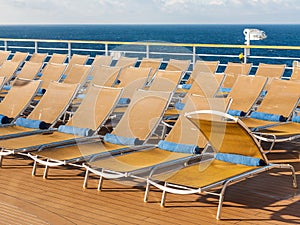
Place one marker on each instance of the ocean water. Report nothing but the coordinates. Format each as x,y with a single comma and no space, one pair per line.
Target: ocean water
211,34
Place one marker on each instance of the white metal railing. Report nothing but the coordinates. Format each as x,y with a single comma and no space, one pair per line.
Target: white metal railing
150,49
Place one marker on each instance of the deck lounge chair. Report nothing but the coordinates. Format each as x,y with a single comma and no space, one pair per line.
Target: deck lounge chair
270,70
245,93
176,64
296,71
86,121
4,56
102,60
38,57
77,74
237,155
132,78
166,80
105,75
277,106
58,58
134,124
29,70
19,57
76,60
18,98
9,69
124,62
51,72
153,63
46,113
204,67
139,163
238,68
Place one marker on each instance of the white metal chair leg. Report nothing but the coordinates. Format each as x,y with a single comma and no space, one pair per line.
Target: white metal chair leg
33,172
147,192
86,177
100,183
46,171
163,197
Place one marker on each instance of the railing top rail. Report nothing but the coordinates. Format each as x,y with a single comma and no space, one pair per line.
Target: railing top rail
156,44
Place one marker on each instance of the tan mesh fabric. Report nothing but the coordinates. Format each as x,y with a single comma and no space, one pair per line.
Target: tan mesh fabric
238,68
124,62
296,71
19,97
29,70
8,69
38,57
19,57
105,75
270,70
152,63
203,67
102,60
58,58
134,123
77,74
76,59
4,56
176,64
166,80
52,72
54,102
95,107
246,91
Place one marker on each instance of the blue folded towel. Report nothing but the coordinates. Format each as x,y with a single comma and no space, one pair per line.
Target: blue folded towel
41,91
240,159
179,105
119,140
233,112
84,132
296,119
186,86
268,116
174,147
3,119
6,87
223,89
28,123
63,76
124,101
39,74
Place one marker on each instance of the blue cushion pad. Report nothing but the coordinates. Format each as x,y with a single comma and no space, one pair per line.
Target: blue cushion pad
174,147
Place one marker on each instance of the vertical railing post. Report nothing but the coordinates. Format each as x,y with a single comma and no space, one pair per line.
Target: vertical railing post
5,45
194,56
106,49
147,51
69,50
35,46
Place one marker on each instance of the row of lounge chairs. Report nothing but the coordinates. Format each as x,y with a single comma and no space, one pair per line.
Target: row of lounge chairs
183,161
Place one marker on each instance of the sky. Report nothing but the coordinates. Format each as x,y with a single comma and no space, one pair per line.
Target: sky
149,11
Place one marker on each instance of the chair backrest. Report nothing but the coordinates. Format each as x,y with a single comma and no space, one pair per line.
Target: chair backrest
19,57
296,71
52,72
238,68
183,131
9,69
4,56
143,114
30,70
102,60
207,84
76,59
153,63
105,75
58,58
2,82
226,134
77,74
246,92
166,80
19,97
54,102
206,66
132,78
176,64
38,57
124,62
96,107
282,97
270,70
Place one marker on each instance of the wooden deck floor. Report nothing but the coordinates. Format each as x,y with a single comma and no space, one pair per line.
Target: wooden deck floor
266,199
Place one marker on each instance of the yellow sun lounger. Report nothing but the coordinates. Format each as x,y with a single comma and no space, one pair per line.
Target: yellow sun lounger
236,156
